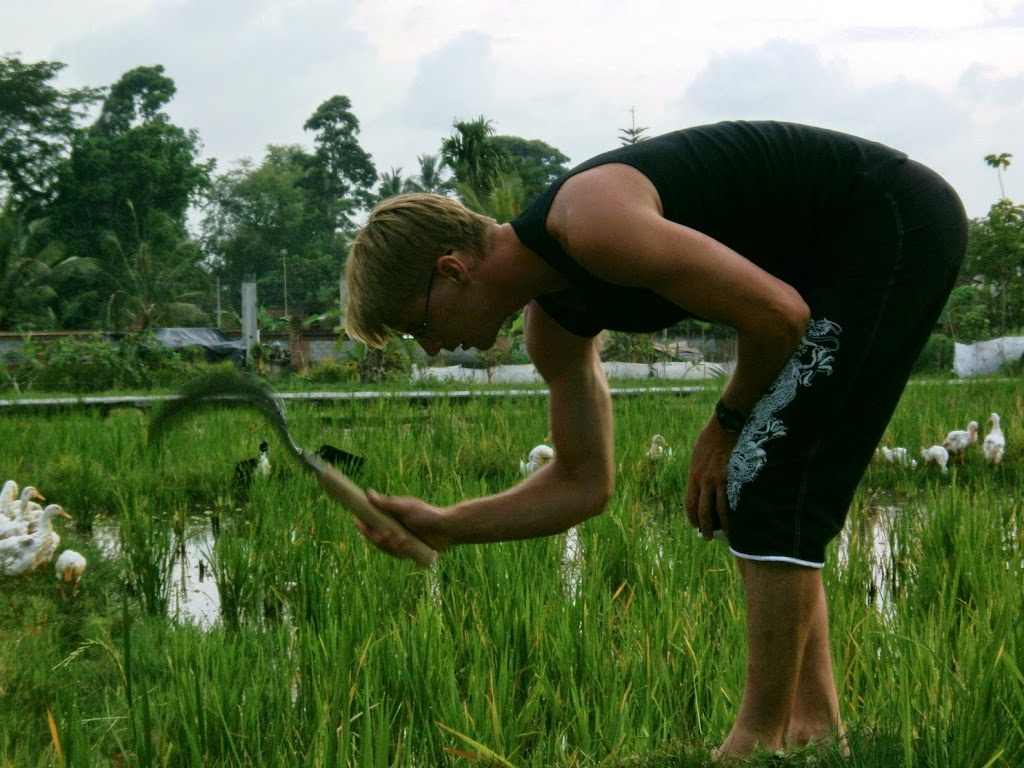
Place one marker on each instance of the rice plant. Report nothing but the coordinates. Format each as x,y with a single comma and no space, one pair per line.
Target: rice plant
617,644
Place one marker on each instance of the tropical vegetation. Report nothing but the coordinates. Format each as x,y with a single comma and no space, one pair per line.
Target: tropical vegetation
112,219
226,625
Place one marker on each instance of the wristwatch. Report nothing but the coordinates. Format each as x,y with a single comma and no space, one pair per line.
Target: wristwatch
731,421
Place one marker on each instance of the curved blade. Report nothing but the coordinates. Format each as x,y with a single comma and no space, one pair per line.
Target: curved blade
234,388
224,388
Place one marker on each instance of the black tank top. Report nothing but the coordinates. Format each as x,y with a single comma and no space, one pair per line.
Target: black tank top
776,193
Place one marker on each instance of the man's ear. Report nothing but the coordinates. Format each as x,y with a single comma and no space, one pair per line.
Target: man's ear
452,267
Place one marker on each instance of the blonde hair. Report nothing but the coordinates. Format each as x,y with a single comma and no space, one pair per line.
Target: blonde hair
391,257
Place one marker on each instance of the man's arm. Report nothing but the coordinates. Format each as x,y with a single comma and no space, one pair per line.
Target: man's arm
579,482
572,488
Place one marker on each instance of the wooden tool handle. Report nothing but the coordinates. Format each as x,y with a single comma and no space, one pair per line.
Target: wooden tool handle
353,498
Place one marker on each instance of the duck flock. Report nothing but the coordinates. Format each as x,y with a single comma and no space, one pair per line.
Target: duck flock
955,448
28,540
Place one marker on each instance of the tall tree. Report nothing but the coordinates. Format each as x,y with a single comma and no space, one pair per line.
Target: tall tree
995,252
131,163
267,221
999,162
475,160
37,123
344,173
392,183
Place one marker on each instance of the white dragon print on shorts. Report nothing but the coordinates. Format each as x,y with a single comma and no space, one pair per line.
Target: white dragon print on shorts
814,356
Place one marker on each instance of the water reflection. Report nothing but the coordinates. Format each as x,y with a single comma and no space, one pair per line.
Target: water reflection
192,592
572,564
874,534
193,596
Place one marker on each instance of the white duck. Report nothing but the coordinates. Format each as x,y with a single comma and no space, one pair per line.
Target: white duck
52,539
995,442
70,567
659,449
899,456
26,514
937,454
7,497
20,554
540,456
959,440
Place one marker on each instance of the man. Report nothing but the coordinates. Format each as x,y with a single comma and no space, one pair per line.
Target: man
830,255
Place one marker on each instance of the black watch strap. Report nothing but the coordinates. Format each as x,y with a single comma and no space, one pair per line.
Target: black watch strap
731,421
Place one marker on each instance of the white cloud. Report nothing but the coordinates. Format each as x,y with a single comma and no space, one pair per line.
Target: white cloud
942,81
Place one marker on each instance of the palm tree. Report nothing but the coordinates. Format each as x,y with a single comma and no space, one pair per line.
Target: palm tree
157,280
429,178
391,184
475,161
30,264
999,162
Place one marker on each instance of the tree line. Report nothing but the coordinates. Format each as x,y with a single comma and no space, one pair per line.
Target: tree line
110,218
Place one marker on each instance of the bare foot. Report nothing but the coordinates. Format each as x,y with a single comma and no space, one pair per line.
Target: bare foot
740,744
822,738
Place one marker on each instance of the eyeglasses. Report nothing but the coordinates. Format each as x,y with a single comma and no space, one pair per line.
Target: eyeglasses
420,331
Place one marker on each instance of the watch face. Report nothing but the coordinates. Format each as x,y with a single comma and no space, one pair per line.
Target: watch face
730,420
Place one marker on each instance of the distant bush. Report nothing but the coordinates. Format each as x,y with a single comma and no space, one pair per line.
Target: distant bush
330,372
629,347
937,355
1014,368
391,363
94,364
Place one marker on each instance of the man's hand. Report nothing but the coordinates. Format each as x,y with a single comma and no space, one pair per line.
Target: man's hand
707,505
422,519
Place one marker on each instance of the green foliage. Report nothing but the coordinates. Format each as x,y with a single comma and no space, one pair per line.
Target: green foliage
509,348
375,366
625,650
156,278
92,364
329,372
32,266
342,174
475,160
391,183
629,347
271,220
1000,162
429,178
965,317
37,123
535,162
634,133
995,263
937,355
503,201
132,167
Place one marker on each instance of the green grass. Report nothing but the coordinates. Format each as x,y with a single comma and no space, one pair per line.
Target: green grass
330,654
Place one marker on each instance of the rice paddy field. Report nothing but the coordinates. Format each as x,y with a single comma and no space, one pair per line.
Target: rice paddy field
216,626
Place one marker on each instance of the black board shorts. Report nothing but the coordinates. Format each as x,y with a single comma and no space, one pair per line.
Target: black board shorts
809,439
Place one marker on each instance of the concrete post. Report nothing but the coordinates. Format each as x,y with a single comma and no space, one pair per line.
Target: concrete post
250,328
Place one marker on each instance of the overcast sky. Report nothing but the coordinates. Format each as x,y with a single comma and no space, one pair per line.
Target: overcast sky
942,80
